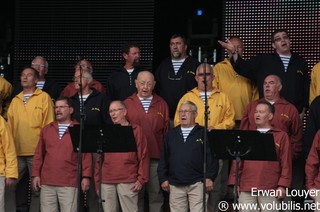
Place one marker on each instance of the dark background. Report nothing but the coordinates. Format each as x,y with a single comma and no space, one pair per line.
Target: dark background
63,31
30,28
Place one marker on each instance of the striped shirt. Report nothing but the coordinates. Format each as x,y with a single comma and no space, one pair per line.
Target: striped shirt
40,84
202,95
177,64
186,132
146,103
285,61
62,129
84,98
26,97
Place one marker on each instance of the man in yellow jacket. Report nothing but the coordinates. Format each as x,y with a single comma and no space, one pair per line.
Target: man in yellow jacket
315,83
5,95
220,116
240,90
221,111
28,112
8,161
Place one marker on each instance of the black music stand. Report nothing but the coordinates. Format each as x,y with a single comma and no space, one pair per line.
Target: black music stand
241,145
101,139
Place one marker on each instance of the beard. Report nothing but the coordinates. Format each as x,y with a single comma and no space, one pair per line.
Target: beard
136,63
176,54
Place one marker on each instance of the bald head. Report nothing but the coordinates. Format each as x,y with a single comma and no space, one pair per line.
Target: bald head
145,84
272,87
207,69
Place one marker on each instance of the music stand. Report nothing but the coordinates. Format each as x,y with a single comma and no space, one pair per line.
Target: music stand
101,139
241,145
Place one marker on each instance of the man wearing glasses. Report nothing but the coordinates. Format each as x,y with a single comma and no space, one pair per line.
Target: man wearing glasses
48,85
123,173
175,75
83,65
290,67
54,168
220,116
94,108
182,175
151,112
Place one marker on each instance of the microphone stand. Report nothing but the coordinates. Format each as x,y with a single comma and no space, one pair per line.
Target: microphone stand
205,133
101,153
82,115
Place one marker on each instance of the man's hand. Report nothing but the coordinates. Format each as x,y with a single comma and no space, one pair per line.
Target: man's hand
10,182
209,185
136,186
36,185
165,186
85,184
231,49
282,191
227,45
313,193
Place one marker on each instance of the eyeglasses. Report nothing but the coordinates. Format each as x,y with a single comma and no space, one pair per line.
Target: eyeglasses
77,78
278,39
148,84
83,66
37,65
115,110
202,74
61,107
186,111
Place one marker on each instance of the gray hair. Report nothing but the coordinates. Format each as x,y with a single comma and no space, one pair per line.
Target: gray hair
41,58
193,105
120,103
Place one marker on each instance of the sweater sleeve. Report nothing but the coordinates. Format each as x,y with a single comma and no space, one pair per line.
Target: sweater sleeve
143,157
163,166
9,151
39,155
286,162
48,113
312,163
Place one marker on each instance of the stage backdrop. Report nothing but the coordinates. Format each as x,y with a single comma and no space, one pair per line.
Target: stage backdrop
63,31
254,21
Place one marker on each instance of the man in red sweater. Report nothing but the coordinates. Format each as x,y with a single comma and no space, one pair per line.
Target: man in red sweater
123,173
272,177
54,168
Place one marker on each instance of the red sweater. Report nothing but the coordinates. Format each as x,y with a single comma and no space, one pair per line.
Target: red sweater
70,90
155,123
266,174
54,160
126,167
313,164
286,118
